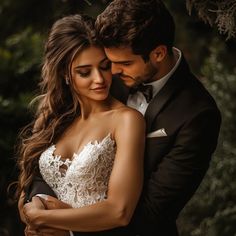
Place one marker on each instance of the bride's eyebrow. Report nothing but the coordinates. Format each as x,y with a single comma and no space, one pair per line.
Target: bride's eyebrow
88,65
82,66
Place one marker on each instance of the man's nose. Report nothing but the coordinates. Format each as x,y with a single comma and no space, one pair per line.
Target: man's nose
116,69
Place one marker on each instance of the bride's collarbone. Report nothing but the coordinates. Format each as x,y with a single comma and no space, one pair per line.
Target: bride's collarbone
82,132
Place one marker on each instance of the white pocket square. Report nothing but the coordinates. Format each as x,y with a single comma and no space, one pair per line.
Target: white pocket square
157,133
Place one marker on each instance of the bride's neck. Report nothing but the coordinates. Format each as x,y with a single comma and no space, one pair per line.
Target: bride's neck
91,107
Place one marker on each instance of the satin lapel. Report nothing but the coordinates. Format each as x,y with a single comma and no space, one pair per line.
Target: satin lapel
175,82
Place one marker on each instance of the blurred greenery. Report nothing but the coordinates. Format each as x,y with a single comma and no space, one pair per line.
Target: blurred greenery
24,25
212,211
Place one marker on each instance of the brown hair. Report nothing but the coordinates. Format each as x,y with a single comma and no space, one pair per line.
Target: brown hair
57,105
140,24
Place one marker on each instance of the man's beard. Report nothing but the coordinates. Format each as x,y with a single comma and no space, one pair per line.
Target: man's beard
147,76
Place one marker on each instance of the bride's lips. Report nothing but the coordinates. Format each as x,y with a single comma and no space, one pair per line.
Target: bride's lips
101,88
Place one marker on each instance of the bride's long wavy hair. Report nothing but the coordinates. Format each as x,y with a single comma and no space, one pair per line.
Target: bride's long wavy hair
57,104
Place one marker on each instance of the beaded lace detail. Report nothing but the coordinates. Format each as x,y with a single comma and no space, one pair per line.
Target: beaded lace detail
84,180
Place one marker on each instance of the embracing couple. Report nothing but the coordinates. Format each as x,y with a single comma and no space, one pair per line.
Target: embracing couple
123,133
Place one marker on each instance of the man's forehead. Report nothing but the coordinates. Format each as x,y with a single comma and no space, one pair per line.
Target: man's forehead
120,53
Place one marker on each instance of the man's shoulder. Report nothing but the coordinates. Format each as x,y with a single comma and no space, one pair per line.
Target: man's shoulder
196,93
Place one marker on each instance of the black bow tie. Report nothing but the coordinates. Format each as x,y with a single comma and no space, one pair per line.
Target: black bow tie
146,90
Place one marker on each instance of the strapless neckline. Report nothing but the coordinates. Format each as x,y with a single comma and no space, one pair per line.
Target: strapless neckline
95,142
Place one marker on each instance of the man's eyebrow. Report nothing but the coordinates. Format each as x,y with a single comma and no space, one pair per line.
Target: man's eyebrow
121,62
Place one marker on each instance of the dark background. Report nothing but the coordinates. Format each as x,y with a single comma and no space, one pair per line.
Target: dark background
23,27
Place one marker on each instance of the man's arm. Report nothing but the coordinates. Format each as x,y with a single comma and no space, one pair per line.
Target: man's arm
179,174
38,186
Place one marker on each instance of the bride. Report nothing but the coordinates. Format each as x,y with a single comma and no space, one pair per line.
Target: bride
87,145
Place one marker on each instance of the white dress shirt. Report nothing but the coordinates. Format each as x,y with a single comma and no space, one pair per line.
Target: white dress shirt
138,101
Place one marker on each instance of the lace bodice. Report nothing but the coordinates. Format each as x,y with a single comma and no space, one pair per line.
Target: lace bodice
84,180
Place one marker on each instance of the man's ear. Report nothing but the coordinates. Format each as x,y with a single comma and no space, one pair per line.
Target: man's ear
158,54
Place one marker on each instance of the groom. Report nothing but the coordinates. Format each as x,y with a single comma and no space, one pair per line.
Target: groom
182,118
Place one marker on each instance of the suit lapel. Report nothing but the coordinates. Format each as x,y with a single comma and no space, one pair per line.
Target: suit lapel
175,82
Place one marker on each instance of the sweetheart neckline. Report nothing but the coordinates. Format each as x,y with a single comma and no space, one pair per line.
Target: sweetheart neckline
77,154
83,180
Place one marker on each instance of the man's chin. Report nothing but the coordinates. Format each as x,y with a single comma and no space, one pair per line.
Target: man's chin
129,83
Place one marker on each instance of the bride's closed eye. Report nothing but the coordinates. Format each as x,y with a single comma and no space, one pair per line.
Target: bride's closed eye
83,72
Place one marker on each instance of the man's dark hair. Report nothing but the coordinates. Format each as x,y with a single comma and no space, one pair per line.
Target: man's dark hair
140,24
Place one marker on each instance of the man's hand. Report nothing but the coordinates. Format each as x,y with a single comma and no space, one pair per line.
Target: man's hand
42,202
31,211
30,231
48,203
51,203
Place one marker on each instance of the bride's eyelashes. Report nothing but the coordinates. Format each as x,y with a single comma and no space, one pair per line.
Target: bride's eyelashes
86,72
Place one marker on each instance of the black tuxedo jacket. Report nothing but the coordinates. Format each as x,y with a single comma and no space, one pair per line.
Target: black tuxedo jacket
174,164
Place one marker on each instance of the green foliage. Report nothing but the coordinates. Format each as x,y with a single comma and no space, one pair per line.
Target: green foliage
212,211
221,13
21,55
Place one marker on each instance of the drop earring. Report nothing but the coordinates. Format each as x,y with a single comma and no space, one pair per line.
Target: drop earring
67,80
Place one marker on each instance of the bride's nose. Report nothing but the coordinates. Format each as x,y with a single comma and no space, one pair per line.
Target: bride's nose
98,77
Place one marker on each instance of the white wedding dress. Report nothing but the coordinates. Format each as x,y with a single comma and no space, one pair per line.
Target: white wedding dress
84,180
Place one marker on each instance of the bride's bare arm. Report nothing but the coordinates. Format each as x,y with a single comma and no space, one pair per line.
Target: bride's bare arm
124,188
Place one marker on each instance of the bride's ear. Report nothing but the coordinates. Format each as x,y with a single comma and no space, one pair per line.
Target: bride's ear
158,54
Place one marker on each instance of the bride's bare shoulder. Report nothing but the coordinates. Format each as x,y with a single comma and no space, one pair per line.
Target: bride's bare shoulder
125,115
